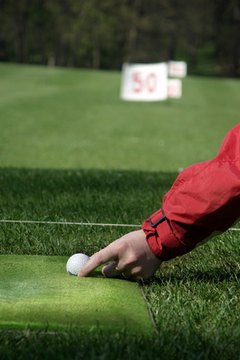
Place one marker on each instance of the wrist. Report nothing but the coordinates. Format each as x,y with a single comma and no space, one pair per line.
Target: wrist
160,237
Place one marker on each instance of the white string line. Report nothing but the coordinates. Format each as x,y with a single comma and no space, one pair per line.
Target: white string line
66,223
5,221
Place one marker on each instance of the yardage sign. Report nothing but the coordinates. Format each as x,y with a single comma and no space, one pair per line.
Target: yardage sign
177,69
144,82
174,88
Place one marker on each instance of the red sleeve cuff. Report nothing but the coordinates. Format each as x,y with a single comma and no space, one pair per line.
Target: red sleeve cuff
161,238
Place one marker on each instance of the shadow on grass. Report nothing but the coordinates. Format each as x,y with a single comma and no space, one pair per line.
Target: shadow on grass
96,196
81,194
32,181
211,275
96,344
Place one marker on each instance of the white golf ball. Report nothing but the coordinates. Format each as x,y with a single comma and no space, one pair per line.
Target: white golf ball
75,263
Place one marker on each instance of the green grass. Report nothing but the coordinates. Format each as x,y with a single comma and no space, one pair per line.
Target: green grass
55,118
90,196
71,150
36,291
194,299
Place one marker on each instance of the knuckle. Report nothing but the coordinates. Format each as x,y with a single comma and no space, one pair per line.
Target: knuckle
127,262
137,271
132,259
122,247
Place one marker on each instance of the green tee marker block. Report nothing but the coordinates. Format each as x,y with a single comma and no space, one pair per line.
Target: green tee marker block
36,291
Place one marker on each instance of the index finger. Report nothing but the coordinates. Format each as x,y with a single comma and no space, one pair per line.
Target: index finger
101,257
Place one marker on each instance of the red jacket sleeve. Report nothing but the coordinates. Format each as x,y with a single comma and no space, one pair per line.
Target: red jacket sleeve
204,199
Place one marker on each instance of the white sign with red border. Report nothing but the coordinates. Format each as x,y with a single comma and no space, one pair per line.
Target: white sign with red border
177,69
144,82
174,88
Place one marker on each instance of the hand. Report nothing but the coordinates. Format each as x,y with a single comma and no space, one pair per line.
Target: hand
130,257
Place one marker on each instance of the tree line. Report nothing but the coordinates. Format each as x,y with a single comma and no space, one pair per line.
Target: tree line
102,34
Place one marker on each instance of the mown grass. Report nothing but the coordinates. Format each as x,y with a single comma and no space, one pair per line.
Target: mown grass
194,299
89,196
36,291
126,156
55,118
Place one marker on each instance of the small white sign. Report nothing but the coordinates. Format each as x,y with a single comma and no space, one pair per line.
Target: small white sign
177,69
144,82
175,88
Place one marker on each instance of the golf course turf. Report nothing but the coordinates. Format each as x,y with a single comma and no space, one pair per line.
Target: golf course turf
71,150
37,292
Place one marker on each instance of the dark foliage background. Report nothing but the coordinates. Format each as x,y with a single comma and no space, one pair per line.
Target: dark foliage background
104,34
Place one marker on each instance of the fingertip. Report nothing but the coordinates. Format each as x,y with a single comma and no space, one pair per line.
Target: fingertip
83,272
97,259
80,274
